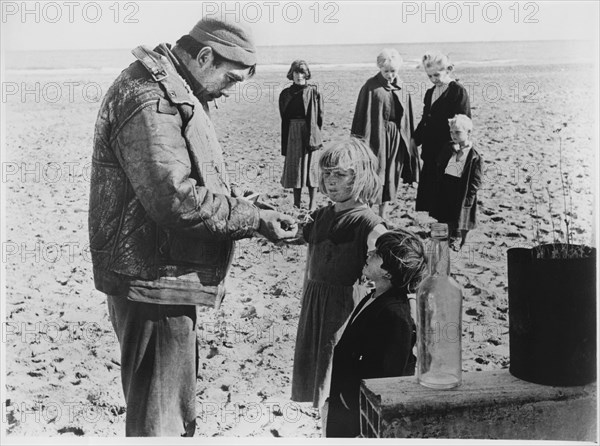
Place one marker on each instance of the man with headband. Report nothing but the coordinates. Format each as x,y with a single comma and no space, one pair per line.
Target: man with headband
162,221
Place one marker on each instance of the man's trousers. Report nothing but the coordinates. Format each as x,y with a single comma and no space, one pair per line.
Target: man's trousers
159,363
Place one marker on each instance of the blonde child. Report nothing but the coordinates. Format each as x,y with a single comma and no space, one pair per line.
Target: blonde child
459,171
338,238
443,101
383,116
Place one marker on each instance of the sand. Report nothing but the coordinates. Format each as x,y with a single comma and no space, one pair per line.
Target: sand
62,357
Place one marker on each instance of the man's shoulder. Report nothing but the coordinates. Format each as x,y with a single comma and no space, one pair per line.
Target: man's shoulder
140,83
135,85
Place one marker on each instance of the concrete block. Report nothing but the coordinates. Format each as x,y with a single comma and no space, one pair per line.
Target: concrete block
488,405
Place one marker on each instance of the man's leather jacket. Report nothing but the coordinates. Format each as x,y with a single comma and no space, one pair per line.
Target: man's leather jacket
162,223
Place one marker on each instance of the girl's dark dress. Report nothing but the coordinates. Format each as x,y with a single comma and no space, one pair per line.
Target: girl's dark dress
377,344
433,133
301,109
337,249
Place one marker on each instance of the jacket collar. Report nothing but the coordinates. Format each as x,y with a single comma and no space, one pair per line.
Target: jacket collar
457,149
448,152
384,83
392,294
197,89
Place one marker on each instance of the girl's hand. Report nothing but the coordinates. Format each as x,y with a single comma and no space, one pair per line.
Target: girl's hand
304,219
298,239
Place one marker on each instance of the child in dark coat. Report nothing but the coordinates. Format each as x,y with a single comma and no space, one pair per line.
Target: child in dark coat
446,99
384,117
301,110
459,175
380,335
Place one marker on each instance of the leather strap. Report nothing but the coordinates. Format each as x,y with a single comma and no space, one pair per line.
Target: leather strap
154,65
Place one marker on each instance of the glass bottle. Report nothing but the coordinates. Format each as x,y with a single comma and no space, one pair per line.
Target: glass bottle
439,315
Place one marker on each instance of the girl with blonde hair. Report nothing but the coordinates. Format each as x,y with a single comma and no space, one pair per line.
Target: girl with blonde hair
338,238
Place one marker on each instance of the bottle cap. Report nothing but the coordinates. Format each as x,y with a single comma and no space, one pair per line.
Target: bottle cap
439,230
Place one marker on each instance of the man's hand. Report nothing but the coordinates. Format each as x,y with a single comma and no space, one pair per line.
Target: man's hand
276,226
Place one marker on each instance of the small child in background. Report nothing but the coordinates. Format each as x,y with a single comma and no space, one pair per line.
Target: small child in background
443,101
338,237
380,335
459,172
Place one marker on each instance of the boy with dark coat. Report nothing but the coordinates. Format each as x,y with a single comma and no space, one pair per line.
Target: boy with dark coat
380,335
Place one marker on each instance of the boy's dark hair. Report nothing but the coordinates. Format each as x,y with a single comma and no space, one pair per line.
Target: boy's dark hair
403,255
193,47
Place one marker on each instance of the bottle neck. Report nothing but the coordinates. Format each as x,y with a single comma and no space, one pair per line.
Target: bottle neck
439,257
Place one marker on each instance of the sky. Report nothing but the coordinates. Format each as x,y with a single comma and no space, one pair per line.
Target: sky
111,24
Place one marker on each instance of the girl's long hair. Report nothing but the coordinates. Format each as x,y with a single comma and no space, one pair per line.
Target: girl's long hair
356,155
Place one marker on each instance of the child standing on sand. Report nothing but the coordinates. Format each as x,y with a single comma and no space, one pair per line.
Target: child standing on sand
337,238
443,101
384,117
459,170
380,334
301,110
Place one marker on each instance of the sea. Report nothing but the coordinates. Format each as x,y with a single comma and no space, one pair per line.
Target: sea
278,58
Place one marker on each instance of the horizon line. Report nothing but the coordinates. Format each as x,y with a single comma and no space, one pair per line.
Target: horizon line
328,44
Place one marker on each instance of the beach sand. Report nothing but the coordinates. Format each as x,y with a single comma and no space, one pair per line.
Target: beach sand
62,357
